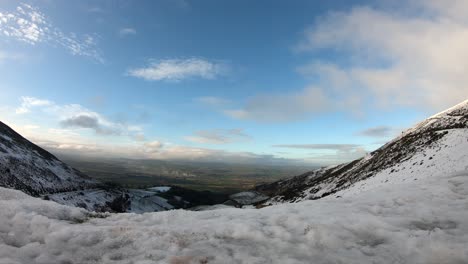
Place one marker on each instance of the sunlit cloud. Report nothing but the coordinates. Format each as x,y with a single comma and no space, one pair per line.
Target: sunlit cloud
29,102
416,60
179,69
75,116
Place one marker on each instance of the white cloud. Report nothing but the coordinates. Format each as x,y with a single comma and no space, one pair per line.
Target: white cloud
29,102
75,116
177,70
153,146
283,107
11,56
212,101
416,60
127,31
218,136
125,140
27,24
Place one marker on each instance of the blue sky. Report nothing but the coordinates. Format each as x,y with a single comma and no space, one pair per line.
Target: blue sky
319,82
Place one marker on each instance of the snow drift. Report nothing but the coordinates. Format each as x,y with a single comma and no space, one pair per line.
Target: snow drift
424,221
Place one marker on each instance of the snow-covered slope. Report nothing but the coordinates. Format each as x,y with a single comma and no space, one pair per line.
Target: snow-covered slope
115,200
413,222
27,167
436,146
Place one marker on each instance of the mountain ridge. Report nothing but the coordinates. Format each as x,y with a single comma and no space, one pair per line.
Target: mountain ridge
428,135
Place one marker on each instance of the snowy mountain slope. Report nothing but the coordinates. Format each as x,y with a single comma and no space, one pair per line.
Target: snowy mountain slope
33,170
438,145
412,222
27,167
115,200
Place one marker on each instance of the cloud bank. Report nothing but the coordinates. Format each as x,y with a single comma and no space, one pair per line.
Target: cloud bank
219,136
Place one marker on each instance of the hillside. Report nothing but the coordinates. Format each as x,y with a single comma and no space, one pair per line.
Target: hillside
33,170
436,146
27,167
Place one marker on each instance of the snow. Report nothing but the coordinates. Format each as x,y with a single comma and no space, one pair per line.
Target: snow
449,157
248,197
160,188
141,201
90,199
423,221
147,201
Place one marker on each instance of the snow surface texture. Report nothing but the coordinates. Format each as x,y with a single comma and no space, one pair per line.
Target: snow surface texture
424,221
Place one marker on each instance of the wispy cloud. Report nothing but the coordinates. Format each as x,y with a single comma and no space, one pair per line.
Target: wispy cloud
96,9
179,69
127,31
9,56
283,107
28,102
320,146
212,101
219,136
378,131
27,24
